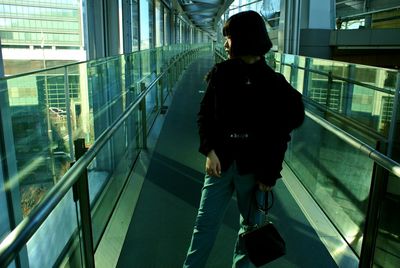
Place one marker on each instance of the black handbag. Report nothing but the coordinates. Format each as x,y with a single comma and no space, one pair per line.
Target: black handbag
263,243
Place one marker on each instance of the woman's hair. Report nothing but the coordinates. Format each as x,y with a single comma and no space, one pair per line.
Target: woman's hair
248,34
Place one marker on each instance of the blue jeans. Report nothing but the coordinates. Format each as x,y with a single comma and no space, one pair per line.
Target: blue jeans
216,194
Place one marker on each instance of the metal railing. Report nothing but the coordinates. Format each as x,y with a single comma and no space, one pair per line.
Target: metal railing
16,240
382,165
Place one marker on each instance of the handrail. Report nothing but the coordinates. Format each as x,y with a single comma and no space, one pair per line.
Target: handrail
366,130
361,15
103,60
17,238
376,156
380,89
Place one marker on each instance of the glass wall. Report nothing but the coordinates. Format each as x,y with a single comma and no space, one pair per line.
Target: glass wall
144,24
360,100
159,23
96,94
49,109
364,94
167,26
135,24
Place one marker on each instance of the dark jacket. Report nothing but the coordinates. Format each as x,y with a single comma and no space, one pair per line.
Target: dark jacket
246,115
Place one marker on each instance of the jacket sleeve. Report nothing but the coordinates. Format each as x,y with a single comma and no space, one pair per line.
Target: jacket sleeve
295,105
293,118
206,116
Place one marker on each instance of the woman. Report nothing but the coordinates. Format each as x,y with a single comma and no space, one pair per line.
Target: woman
244,122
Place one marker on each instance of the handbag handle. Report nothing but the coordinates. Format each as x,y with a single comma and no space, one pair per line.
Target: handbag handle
267,205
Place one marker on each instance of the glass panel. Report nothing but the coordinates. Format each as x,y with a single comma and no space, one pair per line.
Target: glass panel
337,175
286,71
151,103
4,219
80,107
370,106
387,248
111,90
144,24
39,126
298,79
135,24
278,61
61,231
48,110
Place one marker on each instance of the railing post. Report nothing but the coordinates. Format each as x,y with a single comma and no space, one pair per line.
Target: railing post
294,72
169,73
143,120
348,95
180,64
68,111
161,88
161,84
81,194
281,66
291,74
306,80
376,195
175,66
394,119
329,90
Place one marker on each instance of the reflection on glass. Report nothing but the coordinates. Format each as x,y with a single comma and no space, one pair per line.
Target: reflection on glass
38,116
50,109
159,23
336,175
144,25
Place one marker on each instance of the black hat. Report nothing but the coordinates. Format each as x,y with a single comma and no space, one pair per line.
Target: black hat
248,34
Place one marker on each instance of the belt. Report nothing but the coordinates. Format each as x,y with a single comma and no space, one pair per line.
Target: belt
238,135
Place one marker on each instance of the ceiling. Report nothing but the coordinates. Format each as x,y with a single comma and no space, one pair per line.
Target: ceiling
205,14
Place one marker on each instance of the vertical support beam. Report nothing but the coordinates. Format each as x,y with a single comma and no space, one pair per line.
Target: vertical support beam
152,17
394,119
94,22
348,94
102,28
307,78
81,188
68,112
143,118
111,26
127,26
282,66
329,90
1,61
377,193
289,29
294,72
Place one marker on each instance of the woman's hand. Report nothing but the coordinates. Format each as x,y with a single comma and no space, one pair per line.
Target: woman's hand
213,166
263,187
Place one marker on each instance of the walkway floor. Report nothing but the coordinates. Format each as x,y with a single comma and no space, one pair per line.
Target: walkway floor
161,227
